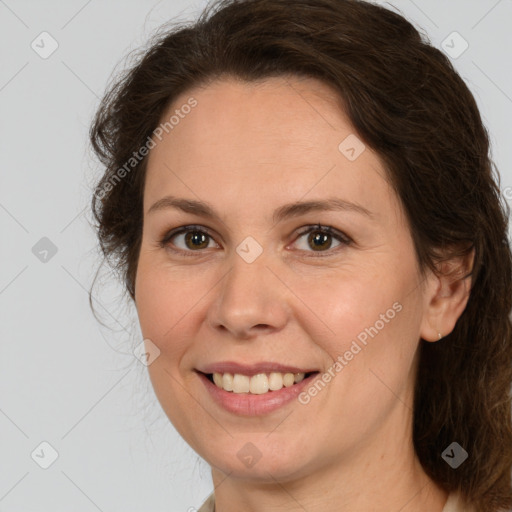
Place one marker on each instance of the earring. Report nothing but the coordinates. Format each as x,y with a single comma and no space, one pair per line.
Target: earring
439,336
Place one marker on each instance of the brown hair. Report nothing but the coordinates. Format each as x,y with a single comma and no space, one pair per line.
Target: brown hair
406,102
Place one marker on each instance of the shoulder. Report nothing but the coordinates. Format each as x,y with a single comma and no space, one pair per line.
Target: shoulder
209,504
455,503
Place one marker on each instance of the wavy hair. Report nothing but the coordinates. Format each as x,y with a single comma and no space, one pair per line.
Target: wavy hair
405,101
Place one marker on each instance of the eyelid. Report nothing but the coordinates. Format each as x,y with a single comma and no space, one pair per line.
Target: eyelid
189,227
325,229
344,239
164,241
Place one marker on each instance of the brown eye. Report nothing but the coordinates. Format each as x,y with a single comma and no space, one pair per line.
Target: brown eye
196,240
187,239
320,239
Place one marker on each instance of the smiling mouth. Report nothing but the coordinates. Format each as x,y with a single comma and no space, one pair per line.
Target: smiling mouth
258,384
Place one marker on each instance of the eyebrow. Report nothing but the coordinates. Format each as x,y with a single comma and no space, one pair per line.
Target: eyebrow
284,212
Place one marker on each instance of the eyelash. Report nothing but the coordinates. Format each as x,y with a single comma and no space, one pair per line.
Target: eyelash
327,230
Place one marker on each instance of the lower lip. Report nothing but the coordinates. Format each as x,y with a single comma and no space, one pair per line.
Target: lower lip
247,404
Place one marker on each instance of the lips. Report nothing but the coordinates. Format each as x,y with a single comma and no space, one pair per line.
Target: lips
253,369
248,404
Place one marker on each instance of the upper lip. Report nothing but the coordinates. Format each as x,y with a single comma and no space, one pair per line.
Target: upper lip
252,369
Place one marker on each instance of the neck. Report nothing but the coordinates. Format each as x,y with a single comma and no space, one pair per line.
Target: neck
404,489
382,473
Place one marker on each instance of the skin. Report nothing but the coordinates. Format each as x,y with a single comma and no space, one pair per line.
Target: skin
247,149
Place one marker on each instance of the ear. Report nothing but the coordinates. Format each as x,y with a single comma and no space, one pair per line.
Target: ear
446,296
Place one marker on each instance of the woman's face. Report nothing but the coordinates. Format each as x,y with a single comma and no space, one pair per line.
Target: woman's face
256,282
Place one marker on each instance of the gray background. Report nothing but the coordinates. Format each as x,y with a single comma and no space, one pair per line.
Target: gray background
64,378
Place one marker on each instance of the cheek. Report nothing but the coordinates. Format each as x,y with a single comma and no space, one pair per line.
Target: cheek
365,319
162,306
172,304
165,311
348,303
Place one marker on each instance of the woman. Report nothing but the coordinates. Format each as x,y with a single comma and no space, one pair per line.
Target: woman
300,199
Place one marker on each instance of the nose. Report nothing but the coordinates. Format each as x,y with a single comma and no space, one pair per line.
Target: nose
250,300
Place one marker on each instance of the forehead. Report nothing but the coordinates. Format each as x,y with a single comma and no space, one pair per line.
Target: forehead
270,111
279,136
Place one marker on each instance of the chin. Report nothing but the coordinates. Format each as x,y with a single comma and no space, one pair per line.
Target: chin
259,461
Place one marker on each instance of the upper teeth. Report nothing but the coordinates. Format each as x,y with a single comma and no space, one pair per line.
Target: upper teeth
257,384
